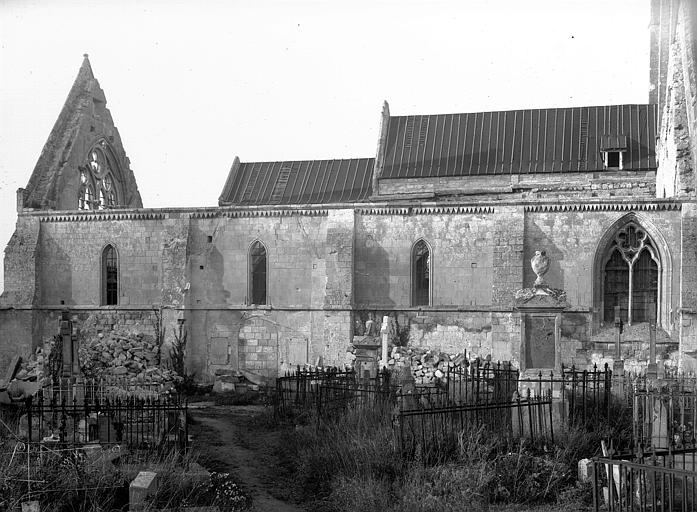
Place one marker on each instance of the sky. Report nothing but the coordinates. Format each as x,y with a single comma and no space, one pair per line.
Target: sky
192,84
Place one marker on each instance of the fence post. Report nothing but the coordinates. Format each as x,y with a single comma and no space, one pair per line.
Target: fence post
29,414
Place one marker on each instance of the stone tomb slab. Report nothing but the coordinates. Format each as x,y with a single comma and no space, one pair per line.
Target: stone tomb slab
540,351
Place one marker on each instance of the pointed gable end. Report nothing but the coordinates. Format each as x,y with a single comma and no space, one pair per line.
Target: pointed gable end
83,164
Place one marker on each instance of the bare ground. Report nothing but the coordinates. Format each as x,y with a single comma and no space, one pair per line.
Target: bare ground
238,439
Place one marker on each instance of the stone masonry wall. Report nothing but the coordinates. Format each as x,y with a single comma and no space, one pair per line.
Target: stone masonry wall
507,277
530,186
481,333
676,176
571,241
461,259
21,263
296,258
687,316
71,260
16,335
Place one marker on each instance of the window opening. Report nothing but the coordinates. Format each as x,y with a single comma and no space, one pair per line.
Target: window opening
257,271
110,273
421,274
612,159
631,276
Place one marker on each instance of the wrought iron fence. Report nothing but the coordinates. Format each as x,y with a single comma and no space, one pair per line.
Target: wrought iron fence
135,423
299,391
662,481
585,396
336,397
432,433
111,388
665,419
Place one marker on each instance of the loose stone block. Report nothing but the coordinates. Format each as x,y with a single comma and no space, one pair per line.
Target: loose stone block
143,486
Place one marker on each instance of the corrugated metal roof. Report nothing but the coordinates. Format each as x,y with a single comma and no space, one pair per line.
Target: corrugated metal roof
299,182
517,142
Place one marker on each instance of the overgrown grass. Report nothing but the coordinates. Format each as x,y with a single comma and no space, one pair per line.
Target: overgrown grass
354,463
76,481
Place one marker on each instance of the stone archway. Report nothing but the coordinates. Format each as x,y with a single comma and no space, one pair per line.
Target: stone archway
632,252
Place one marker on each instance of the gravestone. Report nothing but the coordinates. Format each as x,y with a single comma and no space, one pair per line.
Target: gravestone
540,308
540,349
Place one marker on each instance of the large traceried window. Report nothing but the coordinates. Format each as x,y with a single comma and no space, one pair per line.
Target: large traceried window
98,180
110,276
420,274
631,276
257,274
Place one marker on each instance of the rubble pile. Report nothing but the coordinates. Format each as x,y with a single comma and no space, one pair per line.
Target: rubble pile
427,366
124,355
33,369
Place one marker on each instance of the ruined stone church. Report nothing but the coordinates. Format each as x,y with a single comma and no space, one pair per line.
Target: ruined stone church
436,231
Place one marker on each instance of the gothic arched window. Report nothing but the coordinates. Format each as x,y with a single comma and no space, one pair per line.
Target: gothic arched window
631,273
257,274
98,189
110,276
420,274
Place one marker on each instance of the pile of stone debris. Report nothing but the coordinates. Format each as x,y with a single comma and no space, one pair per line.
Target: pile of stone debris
130,356
238,381
427,366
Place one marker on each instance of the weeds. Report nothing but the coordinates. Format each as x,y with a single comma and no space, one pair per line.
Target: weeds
177,360
354,463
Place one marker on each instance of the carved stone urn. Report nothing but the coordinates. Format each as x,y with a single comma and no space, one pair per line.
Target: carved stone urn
540,265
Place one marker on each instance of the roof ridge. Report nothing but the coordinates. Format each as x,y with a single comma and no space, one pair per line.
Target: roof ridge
308,160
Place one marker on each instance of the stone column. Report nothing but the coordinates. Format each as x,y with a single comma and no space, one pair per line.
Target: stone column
651,369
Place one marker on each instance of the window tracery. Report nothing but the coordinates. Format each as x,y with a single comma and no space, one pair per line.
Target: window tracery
98,188
631,275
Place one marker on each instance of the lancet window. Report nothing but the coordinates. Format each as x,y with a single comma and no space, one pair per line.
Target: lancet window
420,274
110,276
257,273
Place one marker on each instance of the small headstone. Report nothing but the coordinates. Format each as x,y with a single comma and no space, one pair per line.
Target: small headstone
585,470
144,485
30,506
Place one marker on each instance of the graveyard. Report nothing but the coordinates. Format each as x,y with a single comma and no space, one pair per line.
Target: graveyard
87,423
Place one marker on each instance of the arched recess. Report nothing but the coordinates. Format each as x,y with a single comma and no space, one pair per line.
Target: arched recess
421,273
257,274
110,277
607,259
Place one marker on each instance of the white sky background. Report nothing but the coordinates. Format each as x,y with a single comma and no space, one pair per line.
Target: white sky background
191,84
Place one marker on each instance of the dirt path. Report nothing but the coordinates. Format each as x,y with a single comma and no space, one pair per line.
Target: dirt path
231,439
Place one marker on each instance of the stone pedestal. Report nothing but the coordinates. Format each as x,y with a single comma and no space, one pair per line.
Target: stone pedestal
540,309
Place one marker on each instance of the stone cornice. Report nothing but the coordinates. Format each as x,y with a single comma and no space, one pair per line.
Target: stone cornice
101,216
234,214
425,210
601,207
419,207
